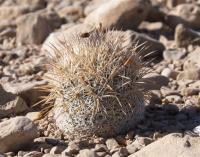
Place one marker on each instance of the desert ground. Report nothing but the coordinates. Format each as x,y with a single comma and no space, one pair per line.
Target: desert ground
169,32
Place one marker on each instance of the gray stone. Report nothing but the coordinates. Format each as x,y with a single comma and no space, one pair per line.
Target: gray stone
13,107
52,155
111,143
122,152
126,14
73,148
153,81
10,103
28,91
32,28
187,14
100,148
192,61
173,55
172,3
185,36
57,149
87,153
193,74
173,145
33,154
167,72
16,133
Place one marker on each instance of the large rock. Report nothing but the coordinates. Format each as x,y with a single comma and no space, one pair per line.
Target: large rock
118,14
151,47
32,29
173,145
185,36
28,91
11,104
16,133
188,14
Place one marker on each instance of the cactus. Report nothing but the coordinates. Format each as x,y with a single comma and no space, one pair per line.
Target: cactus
94,83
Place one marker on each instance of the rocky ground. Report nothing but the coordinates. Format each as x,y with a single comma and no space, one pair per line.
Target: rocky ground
170,29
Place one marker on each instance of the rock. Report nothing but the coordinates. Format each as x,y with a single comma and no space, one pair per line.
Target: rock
5,96
155,97
173,3
173,145
144,141
154,81
101,154
173,55
190,91
28,91
193,74
53,19
73,148
151,48
33,154
12,12
135,146
7,33
126,14
57,149
111,143
52,155
87,153
11,104
7,24
16,106
167,72
16,133
156,13
197,130
33,115
32,28
100,148
192,61
174,98
185,36
132,148
188,14
151,26
122,152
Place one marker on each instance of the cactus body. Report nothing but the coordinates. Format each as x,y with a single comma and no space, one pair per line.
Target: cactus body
94,79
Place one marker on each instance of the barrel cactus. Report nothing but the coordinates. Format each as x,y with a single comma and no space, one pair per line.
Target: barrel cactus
94,83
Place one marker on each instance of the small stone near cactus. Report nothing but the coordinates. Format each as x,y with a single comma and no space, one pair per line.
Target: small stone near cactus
94,83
